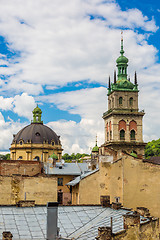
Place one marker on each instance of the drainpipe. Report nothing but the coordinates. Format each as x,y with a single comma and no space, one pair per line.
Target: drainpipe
52,220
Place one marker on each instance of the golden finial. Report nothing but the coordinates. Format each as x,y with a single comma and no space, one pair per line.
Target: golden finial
122,35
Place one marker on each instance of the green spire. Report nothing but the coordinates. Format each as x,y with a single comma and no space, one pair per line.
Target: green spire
95,148
37,112
122,83
122,64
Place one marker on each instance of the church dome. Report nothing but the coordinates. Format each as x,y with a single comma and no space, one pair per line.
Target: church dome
36,133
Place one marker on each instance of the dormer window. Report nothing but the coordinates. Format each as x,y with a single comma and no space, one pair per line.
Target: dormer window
52,143
21,142
37,134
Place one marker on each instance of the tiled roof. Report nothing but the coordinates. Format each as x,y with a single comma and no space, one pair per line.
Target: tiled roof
66,169
78,222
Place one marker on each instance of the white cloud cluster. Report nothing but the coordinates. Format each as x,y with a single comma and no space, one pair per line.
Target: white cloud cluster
7,129
59,42
21,104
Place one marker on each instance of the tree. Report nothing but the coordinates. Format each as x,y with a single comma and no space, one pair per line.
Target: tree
152,148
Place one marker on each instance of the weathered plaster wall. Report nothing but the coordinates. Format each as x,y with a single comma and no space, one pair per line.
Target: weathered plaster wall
30,168
14,188
135,182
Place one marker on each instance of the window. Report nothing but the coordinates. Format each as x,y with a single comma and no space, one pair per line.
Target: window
21,143
52,143
37,134
107,136
20,157
36,158
60,181
120,100
110,135
132,135
122,135
131,102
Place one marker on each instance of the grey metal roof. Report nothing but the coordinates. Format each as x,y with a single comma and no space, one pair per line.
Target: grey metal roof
80,222
79,178
66,169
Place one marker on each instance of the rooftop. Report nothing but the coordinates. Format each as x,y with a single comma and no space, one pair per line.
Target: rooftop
66,168
78,222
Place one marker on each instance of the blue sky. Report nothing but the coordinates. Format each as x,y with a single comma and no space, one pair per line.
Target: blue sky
60,54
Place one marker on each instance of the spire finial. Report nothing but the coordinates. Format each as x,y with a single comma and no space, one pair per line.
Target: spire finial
114,76
122,51
109,83
135,78
96,140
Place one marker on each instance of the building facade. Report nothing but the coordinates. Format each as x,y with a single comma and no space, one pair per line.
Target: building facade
123,120
36,141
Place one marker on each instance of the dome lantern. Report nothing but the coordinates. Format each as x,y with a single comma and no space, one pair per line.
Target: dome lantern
37,112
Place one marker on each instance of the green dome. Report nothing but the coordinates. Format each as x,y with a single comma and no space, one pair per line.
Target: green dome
122,59
124,84
37,110
54,156
95,149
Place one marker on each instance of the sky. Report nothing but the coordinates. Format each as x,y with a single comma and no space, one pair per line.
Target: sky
58,54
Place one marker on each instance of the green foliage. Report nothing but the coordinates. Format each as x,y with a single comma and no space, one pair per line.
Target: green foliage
152,148
73,156
5,157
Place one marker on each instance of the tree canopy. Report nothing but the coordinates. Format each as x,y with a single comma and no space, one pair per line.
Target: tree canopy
152,148
73,156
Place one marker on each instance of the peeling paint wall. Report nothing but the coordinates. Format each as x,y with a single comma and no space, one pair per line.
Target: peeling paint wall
15,188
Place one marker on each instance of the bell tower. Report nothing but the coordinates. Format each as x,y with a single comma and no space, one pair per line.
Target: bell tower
123,120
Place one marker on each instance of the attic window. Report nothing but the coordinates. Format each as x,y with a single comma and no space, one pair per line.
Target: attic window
37,134
21,143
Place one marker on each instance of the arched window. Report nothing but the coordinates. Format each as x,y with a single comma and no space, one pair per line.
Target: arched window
132,135
36,158
131,102
120,100
122,125
21,142
133,125
122,135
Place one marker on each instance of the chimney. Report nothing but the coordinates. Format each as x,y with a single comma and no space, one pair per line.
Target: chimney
104,233
7,236
52,219
131,219
105,201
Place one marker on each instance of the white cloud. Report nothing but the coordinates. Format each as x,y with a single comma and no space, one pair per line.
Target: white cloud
89,103
78,137
59,43
7,129
21,104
